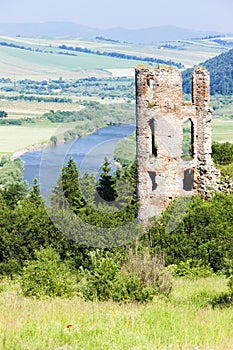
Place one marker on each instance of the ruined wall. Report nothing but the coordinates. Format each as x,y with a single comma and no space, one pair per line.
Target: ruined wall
162,172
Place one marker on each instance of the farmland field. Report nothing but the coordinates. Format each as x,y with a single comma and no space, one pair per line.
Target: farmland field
26,109
222,130
15,138
42,58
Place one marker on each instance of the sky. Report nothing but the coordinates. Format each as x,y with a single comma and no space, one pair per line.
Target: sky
196,14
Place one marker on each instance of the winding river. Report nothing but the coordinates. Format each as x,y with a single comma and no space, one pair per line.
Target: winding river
88,152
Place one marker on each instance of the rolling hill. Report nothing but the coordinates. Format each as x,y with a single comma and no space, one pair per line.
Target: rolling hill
221,74
64,29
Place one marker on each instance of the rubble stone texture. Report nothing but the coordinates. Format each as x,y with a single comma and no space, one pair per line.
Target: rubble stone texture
162,172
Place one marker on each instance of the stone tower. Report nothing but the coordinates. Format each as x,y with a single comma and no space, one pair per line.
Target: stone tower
163,172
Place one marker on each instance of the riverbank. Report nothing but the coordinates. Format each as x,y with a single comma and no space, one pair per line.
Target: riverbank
40,146
88,152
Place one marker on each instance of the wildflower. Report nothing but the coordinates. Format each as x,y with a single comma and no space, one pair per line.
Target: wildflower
70,329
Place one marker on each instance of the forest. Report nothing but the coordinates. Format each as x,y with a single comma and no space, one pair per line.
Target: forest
221,72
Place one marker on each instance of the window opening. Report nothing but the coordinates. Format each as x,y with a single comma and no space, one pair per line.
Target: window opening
153,137
188,180
152,176
152,85
187,144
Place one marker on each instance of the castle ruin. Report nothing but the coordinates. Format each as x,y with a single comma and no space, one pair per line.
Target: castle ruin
163,120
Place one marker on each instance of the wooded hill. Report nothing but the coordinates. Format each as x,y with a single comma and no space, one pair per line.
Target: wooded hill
221,74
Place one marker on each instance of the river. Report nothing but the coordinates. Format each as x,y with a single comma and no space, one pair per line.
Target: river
88,152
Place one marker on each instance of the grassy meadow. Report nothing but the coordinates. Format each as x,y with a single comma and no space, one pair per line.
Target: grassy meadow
184,321
14,138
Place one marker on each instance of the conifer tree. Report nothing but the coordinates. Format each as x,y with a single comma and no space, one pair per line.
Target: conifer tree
68,189
105,186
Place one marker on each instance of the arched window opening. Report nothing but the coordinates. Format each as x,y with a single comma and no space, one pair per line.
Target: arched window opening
152,176
188,180
187,144
152,85
153,137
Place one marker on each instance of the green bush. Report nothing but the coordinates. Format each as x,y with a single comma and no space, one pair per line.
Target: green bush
97,282
230,285
47,275
139,278
202,233
189,268
222,153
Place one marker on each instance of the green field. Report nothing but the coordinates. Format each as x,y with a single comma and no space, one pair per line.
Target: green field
222,130
15,138
39,65
185,321
27,109
51,63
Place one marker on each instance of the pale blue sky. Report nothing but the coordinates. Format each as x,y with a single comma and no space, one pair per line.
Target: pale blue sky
196,14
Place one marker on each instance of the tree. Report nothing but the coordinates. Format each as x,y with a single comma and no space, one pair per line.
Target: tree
53,140
3,114
68,189
105,186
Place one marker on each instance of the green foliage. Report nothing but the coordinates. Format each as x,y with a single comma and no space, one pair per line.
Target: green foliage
48,275
108,113
125,150
139,278
203,233
3,114
10,171
97,281
222,153
53,140
189,268
68,189
105,187
221,73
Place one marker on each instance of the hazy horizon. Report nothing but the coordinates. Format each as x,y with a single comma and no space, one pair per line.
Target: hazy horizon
201,15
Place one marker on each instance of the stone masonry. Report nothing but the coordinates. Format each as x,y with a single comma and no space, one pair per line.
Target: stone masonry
162,172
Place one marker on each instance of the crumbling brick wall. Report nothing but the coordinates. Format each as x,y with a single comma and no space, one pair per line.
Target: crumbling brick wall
162,172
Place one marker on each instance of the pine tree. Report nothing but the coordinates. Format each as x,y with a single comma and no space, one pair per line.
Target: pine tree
68,188
105,186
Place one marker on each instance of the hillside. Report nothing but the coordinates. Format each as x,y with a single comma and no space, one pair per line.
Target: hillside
46,58
221,74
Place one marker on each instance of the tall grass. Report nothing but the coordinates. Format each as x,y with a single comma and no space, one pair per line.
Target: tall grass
184,321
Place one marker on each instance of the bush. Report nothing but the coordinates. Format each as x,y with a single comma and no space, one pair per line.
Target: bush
139,278
97,282
47,275
222,153
189,268
202,232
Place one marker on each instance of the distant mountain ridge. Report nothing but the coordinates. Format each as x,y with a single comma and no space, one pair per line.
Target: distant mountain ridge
144,35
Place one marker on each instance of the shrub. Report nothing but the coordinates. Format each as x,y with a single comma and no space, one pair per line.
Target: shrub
222,153
142,277
139,278
97,282
47,275
188,268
